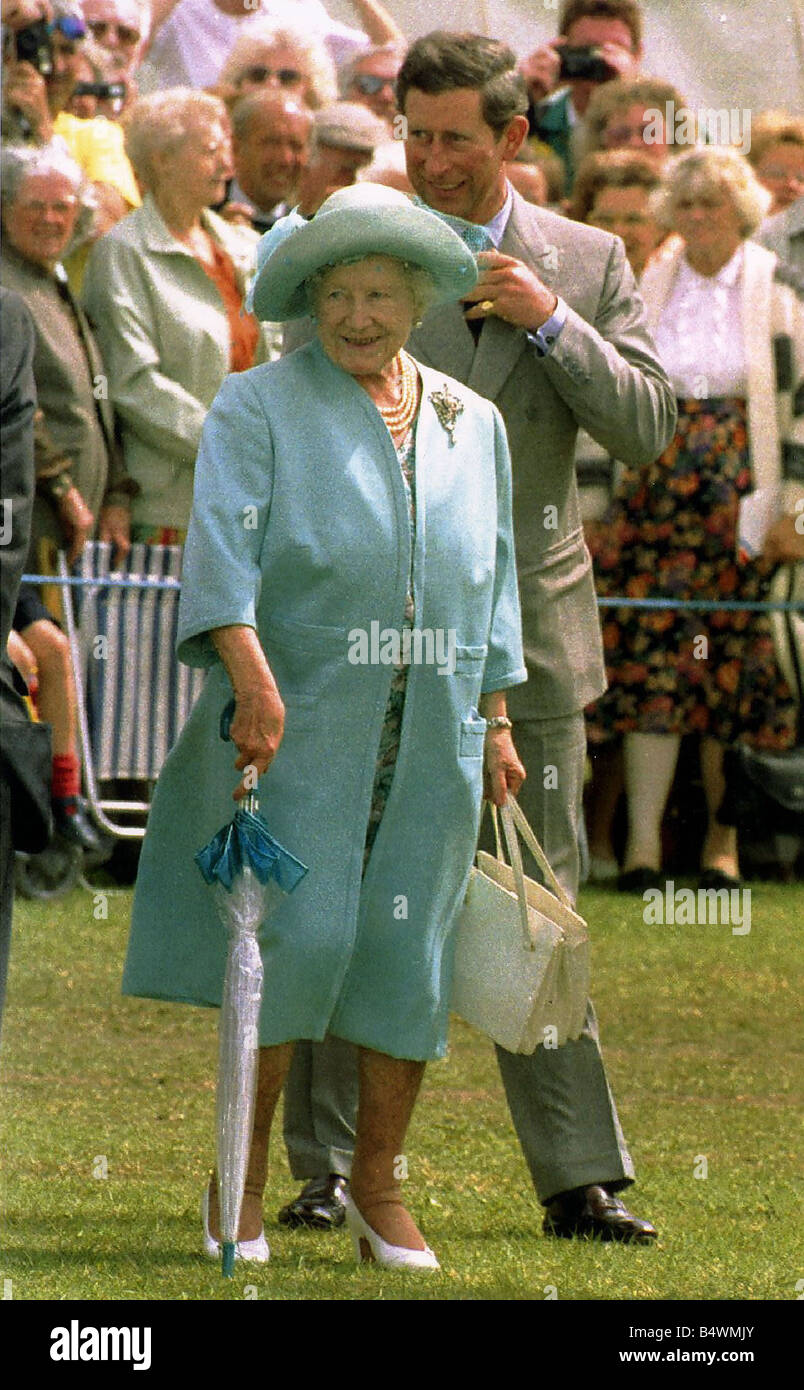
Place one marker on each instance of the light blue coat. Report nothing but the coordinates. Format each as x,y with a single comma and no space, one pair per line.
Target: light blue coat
300,528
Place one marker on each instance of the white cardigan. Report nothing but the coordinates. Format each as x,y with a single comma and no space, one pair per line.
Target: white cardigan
771,311
773,325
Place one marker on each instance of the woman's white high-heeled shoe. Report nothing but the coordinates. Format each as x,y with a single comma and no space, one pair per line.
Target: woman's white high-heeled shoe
383,1254
253,1251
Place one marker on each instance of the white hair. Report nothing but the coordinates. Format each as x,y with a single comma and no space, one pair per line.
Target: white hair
163,120
313,59
21,162
712,166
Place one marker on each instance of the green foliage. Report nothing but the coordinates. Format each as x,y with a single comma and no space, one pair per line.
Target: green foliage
700,1040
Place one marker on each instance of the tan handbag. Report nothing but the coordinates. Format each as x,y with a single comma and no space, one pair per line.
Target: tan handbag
521,970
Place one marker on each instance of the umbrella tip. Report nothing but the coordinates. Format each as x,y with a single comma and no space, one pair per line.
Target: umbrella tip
228,1262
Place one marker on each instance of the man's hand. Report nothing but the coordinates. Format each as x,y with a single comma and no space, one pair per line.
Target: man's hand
511,290
541,69
503,773
622,60
77,521
25,92
783,543
19,14
114,526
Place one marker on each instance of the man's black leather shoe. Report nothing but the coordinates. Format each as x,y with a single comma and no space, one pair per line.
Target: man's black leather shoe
594,1212
71,819
319,1206
638,880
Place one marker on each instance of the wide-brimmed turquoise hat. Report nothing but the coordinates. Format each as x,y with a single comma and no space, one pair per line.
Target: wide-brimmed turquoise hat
362,220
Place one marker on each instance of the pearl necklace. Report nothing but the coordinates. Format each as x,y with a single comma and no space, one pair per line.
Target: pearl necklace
399,418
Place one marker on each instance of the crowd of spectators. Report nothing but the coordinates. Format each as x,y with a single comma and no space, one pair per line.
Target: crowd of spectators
147,144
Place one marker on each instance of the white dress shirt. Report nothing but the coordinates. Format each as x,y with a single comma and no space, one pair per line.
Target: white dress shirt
700,333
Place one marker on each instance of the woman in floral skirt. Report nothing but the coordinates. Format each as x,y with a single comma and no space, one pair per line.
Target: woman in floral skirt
727,318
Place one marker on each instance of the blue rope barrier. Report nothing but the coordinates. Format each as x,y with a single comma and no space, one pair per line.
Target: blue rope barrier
106,582
730,605
701,605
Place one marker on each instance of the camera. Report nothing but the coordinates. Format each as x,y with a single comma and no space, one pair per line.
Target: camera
584,64
33,46
104,91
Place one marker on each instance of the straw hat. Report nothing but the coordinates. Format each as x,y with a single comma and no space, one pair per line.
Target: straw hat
362,220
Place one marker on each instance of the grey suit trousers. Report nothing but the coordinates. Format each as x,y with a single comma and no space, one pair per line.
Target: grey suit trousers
560,1102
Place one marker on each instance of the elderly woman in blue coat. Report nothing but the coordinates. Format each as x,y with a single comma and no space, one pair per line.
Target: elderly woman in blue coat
349,576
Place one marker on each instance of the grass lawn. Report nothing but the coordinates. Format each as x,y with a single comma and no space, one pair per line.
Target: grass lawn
701,1033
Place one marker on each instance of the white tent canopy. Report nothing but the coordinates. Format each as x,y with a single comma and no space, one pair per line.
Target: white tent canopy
747,54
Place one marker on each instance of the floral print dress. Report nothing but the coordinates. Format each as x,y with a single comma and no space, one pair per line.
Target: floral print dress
671,532
392,723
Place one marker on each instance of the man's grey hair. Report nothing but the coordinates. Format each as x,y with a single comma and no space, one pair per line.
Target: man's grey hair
248,108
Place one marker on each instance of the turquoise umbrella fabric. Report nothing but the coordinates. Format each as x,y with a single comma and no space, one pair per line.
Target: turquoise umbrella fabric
246,840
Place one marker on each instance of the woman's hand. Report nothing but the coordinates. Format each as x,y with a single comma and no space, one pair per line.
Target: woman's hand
23,658
114,526
784,542
256,731
503,773
259,720
77,522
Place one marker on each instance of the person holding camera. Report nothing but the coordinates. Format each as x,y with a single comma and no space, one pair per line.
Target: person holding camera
598,40
40,75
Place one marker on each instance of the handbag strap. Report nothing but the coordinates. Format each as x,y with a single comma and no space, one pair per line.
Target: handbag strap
519,873
520,821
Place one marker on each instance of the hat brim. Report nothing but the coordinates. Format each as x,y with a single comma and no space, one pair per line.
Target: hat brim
408,234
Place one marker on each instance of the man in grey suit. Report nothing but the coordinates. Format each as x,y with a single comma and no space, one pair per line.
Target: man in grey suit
554,333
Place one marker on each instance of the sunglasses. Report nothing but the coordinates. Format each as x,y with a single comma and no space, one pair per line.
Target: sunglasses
370,86
102,29
288,77
69,25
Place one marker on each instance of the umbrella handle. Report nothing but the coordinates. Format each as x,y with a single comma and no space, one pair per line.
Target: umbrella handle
227,715
251,800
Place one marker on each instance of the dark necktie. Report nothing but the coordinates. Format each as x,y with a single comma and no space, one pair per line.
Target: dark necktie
475,326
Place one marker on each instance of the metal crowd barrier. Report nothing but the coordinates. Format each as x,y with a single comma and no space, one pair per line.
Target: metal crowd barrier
133,693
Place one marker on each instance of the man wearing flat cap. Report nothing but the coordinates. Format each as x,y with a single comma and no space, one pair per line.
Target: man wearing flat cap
345,136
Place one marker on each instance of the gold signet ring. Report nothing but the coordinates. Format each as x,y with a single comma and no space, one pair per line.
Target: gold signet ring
486,305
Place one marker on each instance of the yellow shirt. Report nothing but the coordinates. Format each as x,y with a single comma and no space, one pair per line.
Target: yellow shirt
97,145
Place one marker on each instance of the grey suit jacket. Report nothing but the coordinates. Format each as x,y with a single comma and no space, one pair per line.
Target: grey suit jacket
603,375
68,370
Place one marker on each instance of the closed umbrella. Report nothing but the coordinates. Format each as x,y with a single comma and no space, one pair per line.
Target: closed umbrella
250,873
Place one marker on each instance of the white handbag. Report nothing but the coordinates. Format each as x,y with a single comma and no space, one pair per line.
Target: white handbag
521,971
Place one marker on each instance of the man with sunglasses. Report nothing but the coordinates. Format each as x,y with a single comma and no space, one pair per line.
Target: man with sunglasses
371,80
117,33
